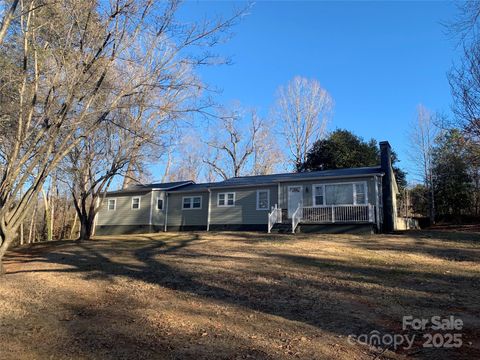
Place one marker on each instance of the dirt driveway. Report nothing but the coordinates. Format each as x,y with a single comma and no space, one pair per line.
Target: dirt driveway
237,296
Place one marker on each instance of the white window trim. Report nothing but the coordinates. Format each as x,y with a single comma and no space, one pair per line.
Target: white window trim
341,183
268,199
191,202
314,194
156,204
139,202
226,199
114,204
365,188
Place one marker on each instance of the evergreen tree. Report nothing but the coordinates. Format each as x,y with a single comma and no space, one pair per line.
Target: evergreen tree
452,182
418,196
344,149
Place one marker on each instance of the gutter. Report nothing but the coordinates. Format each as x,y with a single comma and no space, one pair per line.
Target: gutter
151,208
188,191
209,207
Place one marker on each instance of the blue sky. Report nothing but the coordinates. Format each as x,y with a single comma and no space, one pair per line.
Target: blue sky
378,60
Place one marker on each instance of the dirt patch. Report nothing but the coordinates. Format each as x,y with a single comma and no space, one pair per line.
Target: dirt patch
235,296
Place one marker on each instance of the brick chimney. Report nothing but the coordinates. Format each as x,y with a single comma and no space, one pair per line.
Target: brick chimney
387,187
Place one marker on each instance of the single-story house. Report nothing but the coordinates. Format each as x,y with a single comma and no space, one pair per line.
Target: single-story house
341,200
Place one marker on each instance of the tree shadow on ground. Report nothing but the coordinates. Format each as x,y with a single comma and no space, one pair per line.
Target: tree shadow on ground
334,296
451,246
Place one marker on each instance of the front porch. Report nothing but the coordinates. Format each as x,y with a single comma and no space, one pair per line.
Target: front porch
321,215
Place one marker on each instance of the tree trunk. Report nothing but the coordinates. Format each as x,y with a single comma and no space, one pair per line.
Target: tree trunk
33,221
72,230
86,227
5,241
47,215
21,234
63,234
130,173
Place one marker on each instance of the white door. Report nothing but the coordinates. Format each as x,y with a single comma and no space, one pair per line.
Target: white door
295,198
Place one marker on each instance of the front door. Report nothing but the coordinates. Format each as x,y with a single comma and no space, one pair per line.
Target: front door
295,198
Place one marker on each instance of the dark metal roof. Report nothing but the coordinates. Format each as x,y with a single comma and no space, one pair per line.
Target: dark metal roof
241,181
154,186
194,187
275,178
258,180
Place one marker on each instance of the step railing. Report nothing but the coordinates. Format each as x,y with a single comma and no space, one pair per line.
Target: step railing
297,217
274,217
339,214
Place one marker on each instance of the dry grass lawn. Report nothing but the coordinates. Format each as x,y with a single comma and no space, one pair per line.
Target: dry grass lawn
236,295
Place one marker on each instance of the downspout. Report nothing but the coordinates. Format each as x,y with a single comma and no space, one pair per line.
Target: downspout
166,213
279,196
208,211
377,204
151,210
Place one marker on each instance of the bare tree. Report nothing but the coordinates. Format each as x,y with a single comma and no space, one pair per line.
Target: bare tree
7,18
465,24
188,161
464,78
137,132
66,55
69,74
422,135
302,111
233,144
267,156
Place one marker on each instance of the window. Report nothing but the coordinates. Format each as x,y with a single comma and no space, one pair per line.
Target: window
112,204
318,195
360,196
136,203
159,203
263,199
226,199
345,194
192,202
339,194
197,202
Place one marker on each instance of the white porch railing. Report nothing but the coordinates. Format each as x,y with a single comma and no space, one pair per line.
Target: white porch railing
274,217
339,214
297,217
325,215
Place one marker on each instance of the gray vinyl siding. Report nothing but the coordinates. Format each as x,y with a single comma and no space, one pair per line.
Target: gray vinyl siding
245,209
307,189
243,213
123,213
189,217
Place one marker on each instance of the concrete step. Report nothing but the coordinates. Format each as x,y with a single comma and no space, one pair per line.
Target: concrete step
282,228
